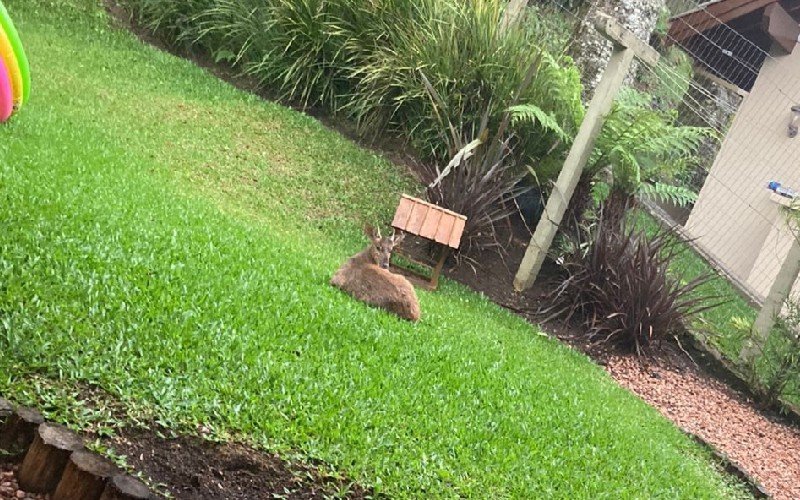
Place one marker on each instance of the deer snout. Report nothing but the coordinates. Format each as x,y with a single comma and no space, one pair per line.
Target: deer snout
385,264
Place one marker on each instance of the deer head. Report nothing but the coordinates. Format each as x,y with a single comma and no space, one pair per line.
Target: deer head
380,249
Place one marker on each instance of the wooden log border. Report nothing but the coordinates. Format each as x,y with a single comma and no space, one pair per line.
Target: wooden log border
57,462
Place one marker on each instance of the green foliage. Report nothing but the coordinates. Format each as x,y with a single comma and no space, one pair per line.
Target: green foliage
549,24
169,240
531,113
677,195
643,148
365,58
774,374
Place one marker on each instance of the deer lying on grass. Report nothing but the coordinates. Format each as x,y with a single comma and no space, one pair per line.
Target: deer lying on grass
366,277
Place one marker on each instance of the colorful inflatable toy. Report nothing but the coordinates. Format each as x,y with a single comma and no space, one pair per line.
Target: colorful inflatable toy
10,60
14,68
6,93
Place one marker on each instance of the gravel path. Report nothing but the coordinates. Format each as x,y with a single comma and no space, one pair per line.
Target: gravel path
768,450
8,485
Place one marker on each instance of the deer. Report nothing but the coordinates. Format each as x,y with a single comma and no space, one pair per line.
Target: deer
366,277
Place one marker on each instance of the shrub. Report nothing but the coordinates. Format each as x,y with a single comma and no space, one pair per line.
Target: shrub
775,373
619,287
367,60
644,149
474,67
482,179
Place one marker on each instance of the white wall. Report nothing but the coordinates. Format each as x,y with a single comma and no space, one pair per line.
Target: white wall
734,216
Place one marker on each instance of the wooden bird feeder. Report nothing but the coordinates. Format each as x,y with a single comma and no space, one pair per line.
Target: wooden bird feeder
433,223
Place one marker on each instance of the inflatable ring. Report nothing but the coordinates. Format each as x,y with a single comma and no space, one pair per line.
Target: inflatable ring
6,94
24,68
12,68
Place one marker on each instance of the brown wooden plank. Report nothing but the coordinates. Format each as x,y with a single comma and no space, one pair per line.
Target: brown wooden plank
445,229
428,204
402,214
418,214
431,223
458,230
687,25
781,27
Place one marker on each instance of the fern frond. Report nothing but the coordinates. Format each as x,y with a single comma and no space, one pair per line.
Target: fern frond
677,195
530,113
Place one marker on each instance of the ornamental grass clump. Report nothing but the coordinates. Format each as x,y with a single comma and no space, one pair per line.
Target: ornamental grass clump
618,285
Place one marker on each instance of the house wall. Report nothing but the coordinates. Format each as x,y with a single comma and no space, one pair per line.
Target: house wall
734,215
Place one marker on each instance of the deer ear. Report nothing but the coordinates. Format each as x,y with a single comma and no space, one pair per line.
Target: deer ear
397,238
369,231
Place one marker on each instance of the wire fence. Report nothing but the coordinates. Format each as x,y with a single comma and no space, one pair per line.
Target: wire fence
743,91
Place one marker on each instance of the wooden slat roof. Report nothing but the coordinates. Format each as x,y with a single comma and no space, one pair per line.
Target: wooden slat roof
432,222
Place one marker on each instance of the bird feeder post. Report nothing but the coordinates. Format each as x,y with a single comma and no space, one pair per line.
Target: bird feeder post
433,223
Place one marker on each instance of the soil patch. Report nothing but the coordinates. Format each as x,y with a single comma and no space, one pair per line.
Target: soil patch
192,468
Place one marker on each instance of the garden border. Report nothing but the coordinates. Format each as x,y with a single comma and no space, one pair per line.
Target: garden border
65,469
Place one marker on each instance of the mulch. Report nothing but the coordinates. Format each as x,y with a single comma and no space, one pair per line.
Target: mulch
763,445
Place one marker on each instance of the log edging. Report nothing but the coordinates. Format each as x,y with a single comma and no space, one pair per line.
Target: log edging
56,461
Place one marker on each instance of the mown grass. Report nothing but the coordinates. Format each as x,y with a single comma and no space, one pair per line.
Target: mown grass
169,239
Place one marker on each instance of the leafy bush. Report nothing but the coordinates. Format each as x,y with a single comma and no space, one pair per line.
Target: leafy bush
378,62
775,373
644,149
474,67
365,58
618,284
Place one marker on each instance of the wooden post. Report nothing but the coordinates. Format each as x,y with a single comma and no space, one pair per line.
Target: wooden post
84,477
778,293
626,47
443,253
47,457
18,431
126,488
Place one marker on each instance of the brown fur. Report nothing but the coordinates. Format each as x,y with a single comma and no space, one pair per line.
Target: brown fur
366,277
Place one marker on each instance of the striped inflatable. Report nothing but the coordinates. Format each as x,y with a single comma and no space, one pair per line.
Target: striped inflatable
15,75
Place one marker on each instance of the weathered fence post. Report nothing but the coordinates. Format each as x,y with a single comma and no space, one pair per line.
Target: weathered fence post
626,47
778,293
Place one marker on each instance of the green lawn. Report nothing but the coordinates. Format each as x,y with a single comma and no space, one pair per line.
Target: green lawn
169,239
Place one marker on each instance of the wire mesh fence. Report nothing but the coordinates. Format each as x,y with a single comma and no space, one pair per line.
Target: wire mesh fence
722,71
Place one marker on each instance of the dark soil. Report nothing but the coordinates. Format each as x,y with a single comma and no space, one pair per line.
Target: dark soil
192,468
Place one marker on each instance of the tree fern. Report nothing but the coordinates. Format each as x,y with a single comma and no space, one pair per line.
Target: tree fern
535,115
677,195
644,148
